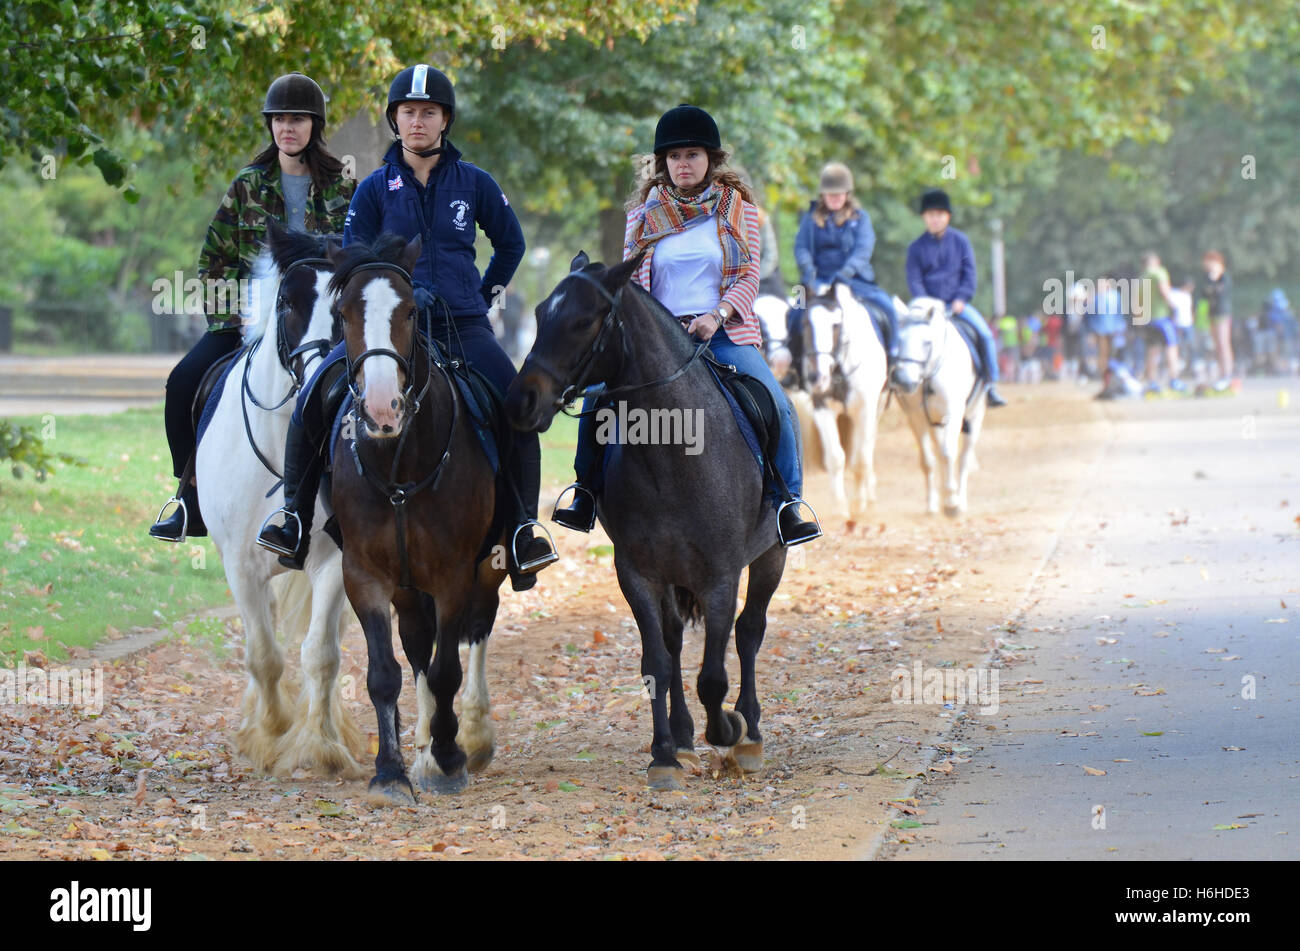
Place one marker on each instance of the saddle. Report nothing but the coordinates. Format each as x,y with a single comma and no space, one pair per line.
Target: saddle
972,340
757,415
210,387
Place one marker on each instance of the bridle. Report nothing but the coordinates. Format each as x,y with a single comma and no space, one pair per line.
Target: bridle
399,493
930,364
293,362
612,321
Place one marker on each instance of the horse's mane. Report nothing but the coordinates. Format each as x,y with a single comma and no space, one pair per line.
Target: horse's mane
385,249
264,278
672,326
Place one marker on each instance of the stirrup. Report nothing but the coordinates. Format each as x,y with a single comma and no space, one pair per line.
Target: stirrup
576,487
533,564
280,549
816,521
185,520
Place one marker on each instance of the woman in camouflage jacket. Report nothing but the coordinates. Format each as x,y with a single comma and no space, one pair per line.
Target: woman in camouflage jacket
294,180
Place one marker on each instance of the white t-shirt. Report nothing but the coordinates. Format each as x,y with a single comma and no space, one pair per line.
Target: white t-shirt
686,270
1181,302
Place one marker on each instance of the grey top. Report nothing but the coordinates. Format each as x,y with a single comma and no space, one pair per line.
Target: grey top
295,200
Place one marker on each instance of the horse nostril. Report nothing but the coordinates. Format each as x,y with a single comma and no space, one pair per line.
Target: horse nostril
387,428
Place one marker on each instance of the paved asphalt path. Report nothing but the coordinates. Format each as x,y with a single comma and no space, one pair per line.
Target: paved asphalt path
1184,549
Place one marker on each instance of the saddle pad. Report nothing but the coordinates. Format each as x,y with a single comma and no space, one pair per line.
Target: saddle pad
480,406
210,406
743,423
972,339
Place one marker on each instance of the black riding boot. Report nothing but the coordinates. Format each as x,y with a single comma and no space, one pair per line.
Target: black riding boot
528,553
794,530
302,471
580,514
994,397
185,521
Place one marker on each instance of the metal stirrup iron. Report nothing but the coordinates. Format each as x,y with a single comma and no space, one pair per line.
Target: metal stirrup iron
816,521
185,520
576,487
534,564
280,549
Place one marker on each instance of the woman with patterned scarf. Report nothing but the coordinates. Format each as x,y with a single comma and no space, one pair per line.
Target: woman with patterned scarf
699,227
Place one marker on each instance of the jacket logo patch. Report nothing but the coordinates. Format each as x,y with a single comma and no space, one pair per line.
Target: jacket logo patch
395,183
461,208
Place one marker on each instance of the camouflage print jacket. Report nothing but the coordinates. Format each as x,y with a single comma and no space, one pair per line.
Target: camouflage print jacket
239,226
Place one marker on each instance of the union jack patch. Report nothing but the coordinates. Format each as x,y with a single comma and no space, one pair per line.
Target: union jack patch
395,183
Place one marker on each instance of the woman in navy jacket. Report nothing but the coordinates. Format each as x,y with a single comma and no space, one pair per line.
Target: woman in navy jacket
424,188
835,243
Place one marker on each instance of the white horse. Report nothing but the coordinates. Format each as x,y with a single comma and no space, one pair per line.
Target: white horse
845,347
771,312
935,382
290,306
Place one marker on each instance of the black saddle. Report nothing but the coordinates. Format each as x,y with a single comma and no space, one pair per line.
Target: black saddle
760,409
208,383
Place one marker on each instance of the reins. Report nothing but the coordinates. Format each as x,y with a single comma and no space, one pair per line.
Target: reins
286,358
613,320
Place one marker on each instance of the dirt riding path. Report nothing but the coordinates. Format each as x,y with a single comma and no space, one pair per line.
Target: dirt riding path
155,775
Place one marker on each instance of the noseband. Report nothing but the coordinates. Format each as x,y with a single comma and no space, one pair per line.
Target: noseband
404,362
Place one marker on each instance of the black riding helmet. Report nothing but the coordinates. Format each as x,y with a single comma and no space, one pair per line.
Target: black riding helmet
296,94
422,83
684,126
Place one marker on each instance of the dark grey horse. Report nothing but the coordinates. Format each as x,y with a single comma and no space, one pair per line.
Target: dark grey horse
684,525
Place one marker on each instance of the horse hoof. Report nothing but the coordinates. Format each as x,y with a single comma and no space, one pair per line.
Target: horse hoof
664,777
952,511
430,777
738,723
748,756
392,792
690,759
479,760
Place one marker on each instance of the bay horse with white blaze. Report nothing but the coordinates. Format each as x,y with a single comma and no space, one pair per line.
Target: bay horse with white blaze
415,498
684,525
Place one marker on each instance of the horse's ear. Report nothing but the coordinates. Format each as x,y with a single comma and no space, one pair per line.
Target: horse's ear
411,253
579,262
275,233
620,274
334,253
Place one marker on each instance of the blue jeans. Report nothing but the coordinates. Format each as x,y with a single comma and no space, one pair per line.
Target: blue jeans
988,350
747,359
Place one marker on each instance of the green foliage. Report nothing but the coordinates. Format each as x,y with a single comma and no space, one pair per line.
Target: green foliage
71,71
21,448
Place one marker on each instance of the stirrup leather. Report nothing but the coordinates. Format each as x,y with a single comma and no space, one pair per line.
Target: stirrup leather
576,487
289,514
533,564
780,535
185,520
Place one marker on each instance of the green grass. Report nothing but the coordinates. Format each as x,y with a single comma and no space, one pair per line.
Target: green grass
557,455
78,562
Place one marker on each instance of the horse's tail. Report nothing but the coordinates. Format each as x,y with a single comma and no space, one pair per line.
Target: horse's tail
292,591
689,608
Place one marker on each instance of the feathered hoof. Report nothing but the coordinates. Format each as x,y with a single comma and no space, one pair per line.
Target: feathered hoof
665,777
303,748
391,792
430,777
479,760
748,756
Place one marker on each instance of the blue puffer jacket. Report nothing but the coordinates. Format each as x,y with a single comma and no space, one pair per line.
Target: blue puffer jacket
444,214
833,251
